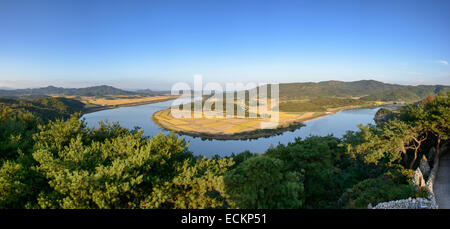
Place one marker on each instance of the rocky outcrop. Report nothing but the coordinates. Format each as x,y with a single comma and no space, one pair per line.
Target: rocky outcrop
383,115
431,178
414,203
424,167
418,180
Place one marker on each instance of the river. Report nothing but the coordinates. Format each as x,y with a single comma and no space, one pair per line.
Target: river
336,124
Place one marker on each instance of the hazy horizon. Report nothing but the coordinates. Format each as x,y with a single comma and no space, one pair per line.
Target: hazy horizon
154,44
168,89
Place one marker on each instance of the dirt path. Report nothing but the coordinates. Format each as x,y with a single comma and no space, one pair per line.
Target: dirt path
442,182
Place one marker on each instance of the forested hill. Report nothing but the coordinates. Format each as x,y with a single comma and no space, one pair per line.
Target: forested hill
408,93
51,90
334,89
370,90
44,108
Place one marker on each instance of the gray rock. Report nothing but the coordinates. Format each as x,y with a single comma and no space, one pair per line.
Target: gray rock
418,180
424,166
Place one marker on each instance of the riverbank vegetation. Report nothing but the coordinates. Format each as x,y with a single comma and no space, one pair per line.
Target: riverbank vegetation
61,163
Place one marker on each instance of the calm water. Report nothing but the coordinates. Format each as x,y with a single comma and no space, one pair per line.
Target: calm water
336,124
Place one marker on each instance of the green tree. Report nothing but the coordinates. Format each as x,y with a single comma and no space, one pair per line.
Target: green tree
13,189
312,157
199,185
263,182
429,117
111,167
16,130
438,115
374,191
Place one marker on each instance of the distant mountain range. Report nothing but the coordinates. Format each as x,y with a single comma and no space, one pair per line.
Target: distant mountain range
368,90
87,91
151,92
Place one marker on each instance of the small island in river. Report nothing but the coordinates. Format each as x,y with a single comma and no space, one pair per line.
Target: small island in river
240,128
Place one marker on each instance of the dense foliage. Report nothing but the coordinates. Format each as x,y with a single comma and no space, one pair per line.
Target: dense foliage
72,166
407,94
44,108
334,89
264,182
64,164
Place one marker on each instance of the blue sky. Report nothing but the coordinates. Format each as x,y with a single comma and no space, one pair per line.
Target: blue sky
154,44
